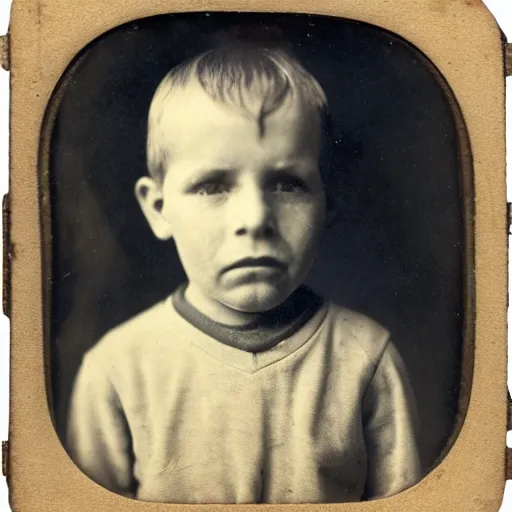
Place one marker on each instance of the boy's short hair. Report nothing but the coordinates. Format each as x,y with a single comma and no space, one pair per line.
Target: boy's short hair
228,75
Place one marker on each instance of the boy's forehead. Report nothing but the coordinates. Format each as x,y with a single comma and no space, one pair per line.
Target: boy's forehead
189,110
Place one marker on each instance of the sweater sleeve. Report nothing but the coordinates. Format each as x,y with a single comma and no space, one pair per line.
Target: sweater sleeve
390,425
98,437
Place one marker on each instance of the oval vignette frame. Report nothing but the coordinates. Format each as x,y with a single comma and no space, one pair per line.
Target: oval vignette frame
72,76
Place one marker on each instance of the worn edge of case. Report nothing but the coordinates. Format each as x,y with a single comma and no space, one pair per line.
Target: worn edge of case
5,61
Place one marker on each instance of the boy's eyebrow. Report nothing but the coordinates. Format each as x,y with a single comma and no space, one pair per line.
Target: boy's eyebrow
226,173
295,165
209,174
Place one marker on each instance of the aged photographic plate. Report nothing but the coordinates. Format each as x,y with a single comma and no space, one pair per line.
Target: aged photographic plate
412,183
397,251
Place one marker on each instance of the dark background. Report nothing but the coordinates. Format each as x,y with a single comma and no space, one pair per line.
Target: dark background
395,252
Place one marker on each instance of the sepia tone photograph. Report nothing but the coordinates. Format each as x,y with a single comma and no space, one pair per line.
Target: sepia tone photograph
258,234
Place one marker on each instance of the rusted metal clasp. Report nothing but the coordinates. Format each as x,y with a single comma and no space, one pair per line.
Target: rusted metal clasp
5,53
508,453
508,59
7,256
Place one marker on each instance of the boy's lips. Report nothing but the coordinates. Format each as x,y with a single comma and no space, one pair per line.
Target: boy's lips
264,261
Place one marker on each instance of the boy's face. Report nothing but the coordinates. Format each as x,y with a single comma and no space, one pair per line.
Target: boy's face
245,209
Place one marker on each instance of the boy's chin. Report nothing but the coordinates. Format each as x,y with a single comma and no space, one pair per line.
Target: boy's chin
256,298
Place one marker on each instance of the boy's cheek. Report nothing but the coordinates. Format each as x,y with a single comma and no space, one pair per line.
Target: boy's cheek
305,222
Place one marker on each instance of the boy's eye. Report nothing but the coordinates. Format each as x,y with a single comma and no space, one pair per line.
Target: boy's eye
288,184
211,187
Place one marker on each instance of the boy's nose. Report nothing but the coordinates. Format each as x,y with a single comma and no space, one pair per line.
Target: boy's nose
253,214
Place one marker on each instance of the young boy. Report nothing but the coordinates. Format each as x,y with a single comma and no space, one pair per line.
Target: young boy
244,386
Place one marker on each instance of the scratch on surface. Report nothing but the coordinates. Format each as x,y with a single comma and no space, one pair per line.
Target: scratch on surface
39,25
188,466
39,10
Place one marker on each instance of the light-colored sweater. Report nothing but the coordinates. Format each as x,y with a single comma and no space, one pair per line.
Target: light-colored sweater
163,412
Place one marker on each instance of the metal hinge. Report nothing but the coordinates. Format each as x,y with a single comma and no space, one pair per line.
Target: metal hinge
5,458
5,57
508,59
509,412
508,453
8,255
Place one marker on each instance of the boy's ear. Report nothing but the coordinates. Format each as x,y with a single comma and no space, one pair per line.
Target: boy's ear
149,194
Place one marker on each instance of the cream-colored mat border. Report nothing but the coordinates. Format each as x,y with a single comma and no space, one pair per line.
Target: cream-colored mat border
461,39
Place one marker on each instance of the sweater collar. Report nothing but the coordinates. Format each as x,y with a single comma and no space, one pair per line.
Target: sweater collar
268,330
250,362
